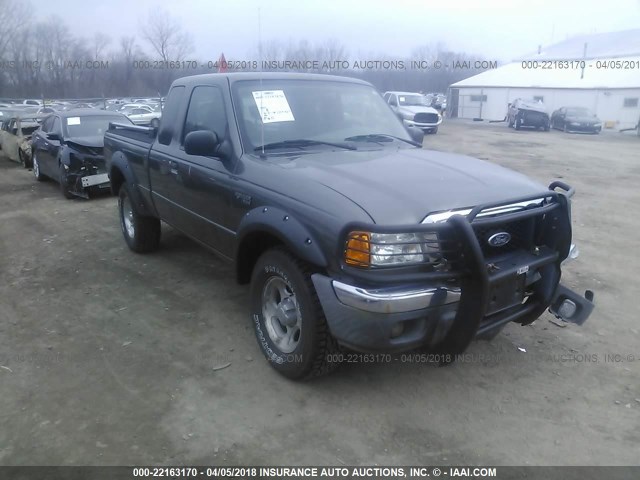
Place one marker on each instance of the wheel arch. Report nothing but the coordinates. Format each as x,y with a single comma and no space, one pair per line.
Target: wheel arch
266,227
120,173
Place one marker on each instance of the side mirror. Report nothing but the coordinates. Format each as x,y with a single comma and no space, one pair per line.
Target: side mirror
201,142
416,134
53,136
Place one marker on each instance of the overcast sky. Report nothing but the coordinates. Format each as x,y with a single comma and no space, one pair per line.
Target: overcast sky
497,29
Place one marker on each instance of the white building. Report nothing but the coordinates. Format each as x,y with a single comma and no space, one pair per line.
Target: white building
600,72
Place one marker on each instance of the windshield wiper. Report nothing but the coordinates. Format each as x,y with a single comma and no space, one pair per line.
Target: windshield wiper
380,137
302,142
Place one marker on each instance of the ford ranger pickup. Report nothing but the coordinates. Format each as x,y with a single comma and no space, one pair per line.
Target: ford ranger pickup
350,234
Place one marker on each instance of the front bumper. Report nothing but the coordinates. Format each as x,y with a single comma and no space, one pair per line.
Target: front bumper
86,171
584,128
422,126
450,312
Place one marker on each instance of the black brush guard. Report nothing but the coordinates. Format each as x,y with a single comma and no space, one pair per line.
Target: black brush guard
515,287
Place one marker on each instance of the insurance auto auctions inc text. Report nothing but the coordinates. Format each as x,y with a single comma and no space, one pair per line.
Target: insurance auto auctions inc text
376,472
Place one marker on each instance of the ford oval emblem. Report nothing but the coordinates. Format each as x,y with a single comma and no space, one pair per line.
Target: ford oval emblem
499,239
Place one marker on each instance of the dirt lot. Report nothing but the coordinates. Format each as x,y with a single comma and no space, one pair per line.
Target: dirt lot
110,357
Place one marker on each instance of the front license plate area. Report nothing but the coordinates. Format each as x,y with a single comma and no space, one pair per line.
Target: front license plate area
506,293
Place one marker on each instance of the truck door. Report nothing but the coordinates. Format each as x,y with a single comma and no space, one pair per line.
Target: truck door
191,192
162,163
205,197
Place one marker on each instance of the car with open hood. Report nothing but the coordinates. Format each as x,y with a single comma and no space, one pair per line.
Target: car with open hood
16,131
576,119
68,148
415,110
528,113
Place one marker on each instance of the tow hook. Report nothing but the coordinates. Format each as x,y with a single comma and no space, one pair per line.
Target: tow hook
569,306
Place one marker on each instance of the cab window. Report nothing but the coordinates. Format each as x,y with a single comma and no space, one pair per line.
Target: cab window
206,112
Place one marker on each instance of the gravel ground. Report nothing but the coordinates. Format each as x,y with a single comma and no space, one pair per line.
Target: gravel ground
114,358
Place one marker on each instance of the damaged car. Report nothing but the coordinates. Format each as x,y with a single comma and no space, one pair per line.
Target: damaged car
528,113
15,136
68,148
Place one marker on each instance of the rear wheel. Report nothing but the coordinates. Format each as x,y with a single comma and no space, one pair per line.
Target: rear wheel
141,233
287,317
36,169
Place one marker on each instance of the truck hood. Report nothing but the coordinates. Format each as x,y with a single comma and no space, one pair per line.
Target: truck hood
402,186
418,109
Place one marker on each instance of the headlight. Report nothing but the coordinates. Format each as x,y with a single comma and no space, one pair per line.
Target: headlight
597,124
366,249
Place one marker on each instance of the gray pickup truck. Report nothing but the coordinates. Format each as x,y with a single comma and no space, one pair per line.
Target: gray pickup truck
351,235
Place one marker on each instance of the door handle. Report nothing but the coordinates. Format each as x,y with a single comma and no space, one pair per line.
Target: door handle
173,167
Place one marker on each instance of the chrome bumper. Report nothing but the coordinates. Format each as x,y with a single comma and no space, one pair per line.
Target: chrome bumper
393,300
411,123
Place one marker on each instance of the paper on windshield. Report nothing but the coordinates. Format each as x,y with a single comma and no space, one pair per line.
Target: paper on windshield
273,106
402,99
73,121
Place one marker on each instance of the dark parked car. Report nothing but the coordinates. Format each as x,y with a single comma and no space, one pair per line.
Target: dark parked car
68,148
349,232
527,113
576,119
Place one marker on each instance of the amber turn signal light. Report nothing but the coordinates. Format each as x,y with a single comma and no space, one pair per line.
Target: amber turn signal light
357,251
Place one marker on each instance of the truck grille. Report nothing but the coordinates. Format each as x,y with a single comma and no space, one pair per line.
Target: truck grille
426,118
521,231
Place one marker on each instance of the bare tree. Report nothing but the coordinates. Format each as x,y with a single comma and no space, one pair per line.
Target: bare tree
99,43
13,18
166,37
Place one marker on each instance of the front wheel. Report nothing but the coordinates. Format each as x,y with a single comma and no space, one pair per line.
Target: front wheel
518,123
155,123
287,317
141,233
64,183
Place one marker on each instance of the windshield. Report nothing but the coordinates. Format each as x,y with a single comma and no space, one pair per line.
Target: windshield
326,111
93,126
579,112
413,100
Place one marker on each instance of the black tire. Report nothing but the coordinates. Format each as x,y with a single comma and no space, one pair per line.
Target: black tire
509,122
518,124
565,129
141,233
155,123
64,183
547,127
36,169
434,131
312,353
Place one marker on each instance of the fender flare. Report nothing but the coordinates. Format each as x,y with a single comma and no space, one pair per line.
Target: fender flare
120,164
286,228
